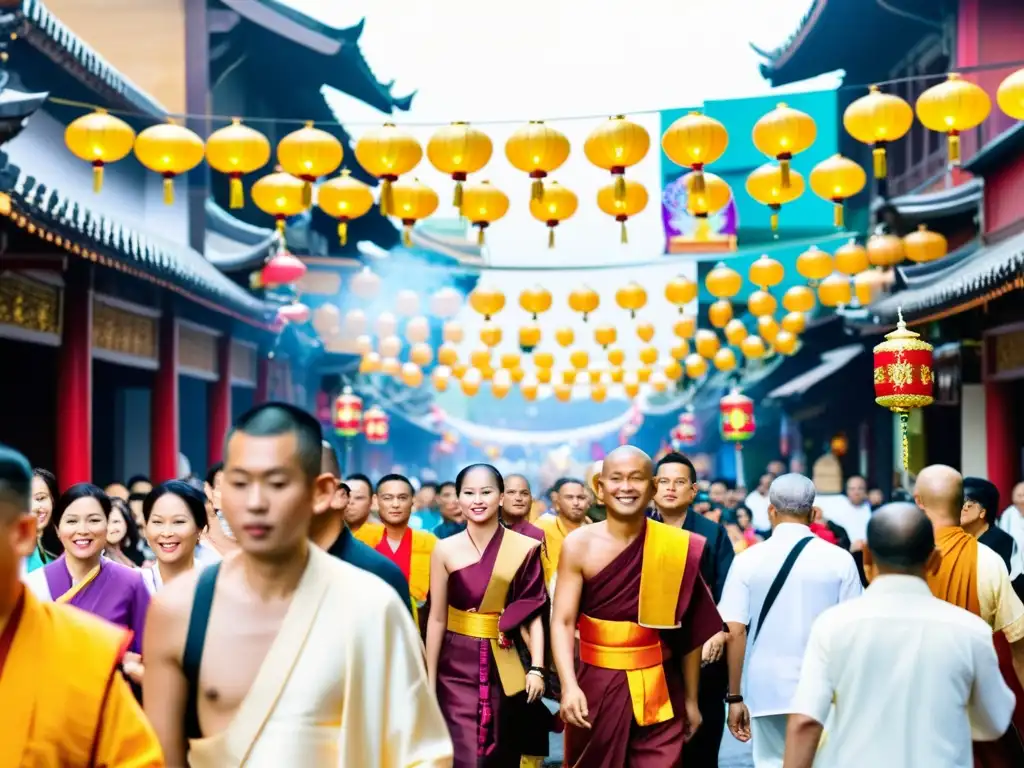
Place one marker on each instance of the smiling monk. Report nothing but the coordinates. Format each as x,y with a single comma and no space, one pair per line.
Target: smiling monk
633,587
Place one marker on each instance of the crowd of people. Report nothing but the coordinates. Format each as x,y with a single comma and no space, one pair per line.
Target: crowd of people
275,613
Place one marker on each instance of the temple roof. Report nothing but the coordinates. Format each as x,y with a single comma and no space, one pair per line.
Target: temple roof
940,204
147,256
994,155
232,244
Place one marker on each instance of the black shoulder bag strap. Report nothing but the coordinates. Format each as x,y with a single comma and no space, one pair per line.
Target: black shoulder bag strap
195,641
779,582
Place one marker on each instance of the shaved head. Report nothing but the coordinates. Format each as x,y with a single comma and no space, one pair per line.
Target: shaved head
626,482
939,491
625,454
900,537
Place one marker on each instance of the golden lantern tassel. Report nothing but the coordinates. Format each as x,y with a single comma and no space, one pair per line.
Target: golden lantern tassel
904,439
237,193
386,198
480,239
537,190
97,177
881,168
954,148
551,237
620,187
343,232
623,236
457,198
307,193
698,181
775,221
280,225
168,190
837,214
407,236
784,169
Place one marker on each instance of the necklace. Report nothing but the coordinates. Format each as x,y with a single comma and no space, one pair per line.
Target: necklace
477,548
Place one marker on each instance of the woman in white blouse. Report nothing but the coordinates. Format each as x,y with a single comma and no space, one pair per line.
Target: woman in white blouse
175,515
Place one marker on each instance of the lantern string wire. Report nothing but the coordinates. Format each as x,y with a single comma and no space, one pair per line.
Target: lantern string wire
507,121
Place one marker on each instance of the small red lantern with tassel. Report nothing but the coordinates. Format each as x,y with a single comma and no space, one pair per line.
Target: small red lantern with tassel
348,413
737,425
376,425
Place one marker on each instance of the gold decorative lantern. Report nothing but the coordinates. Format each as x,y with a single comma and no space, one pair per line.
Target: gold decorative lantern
236,150
482,204
878,119
538,150
782,133
952,107
615,145
170,150
584,300
99,138
556,204
387,153
411,201
458,150
837,179
693,141
770,187
632,202
344,198
308,154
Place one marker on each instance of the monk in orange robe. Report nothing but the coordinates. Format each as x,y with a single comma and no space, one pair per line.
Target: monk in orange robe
634,589
974,578
65,701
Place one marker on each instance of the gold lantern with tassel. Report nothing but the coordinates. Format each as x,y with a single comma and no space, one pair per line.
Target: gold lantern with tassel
344,198
309,154
236,150
280,195
482,204
631,297
693,141
952,107
584,300
615,145
170,150
851,258
878,119
99,138
387,153
706,195
767,186
1010,95
837,179
411,201
486,301
782,133
458,150
535,300
538,150
680,291
632,202
904,376
557,204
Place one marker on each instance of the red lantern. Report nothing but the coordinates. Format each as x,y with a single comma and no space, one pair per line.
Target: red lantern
348,413
685,432
376,426
282,269
737,411
839,445
904,376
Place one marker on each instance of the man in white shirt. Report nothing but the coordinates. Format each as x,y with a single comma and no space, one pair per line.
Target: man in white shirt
778,588
757,503
1012,519
851,512
885,654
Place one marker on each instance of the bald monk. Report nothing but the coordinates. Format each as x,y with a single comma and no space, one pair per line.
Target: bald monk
634,587
975,578
63,698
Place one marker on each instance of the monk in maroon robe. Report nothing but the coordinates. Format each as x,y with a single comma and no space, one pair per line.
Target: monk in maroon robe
633,588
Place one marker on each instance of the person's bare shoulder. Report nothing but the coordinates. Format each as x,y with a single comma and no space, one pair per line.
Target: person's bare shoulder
174,600
575,544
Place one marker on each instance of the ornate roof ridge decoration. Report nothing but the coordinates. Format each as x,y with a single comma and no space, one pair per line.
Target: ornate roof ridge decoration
778,56
170,265
51,37
991,272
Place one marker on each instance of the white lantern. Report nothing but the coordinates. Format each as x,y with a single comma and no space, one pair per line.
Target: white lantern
366,284
390,346
327,320
472,376
446,302
364,344
355,322
502,379
659,382
441,376
453,332
407,303
417,330
387,324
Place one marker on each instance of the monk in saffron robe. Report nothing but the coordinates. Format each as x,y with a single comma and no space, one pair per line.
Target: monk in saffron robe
63,698
571,502
283,655
634,588
975,578
487,587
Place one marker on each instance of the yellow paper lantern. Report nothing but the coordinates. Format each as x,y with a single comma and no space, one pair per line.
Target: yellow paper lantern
487,301
483,204
563,392
390,366
631,388
720,313
633,201
480,357
680,291
723,282
794,322
706,343
605,335
868,285
837,179
762,303
851,258
470,386
387,153
616,357
536,300
596,375
598,392
799,298
648,355
390,346
412,375
490,334
236,150
878,119
680,350
705,201
565,336
344,198
411,201
693,141
924,245
529,337
765,185
421,354
753,347
685,327
517,373
673,370
584,300
835,291
308,154
767,328
501,383
782,133
724,359
458,150
632,297
1010,95
528,389
617,375
952,107
785,342
452,331
579,359
615,145
555,206
279,194
370,363
766,272
885,250
696,366
170,150
440,377
643,374
99,138
645,331
537,149
459,370
735,331
543,360
814,264
544,375
447,354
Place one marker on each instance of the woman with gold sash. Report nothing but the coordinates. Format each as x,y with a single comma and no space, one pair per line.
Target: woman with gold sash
487,589
82,577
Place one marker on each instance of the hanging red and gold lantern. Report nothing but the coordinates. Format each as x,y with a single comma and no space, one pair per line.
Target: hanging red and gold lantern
282,269
236,150
693,141
615,145
344,198
99,138
557,204
377,425
687,429
837,179
387,153
348,413
309,154
768,186
633,201
903,376
483,204
170,150
279,194
411,201
458,150
737,417
538,150
782,133
952,107
878,119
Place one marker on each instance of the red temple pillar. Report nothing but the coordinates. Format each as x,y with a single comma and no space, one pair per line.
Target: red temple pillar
262,394
219,406
163,449
74,380
1000,439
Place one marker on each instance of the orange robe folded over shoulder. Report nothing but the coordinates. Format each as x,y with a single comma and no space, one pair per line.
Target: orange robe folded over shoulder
64,699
